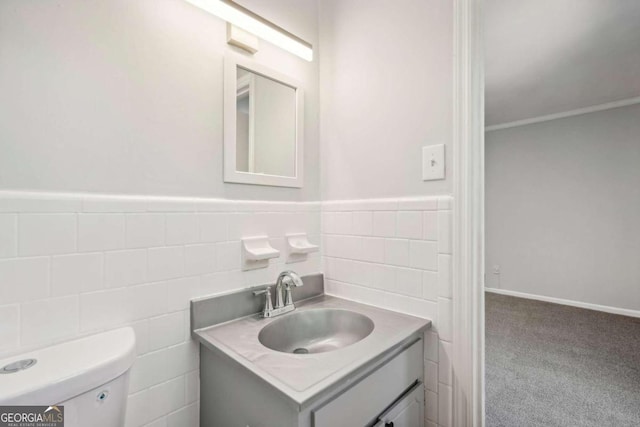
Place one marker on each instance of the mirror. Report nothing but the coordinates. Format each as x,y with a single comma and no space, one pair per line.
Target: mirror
265,125
263,115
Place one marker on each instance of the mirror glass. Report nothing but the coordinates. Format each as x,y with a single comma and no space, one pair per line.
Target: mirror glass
265,125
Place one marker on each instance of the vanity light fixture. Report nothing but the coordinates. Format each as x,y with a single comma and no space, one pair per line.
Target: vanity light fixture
255,24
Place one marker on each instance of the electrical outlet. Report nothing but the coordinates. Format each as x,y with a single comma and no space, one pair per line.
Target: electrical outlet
496,269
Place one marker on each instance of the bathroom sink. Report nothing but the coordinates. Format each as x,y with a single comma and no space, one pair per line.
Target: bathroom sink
315,331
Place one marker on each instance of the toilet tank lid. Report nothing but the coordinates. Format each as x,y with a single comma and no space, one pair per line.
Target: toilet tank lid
68,369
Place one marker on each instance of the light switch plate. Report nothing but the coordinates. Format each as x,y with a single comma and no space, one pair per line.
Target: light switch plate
433,162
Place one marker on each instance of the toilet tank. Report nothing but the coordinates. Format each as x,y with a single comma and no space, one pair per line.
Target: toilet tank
89,377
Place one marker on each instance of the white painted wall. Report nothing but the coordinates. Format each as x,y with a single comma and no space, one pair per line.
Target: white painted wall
386,91
562,208
125,96
386,84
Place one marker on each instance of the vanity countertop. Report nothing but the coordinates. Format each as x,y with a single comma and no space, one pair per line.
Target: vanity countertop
301,377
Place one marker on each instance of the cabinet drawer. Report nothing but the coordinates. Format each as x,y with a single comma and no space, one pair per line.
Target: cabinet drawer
408,411
362,403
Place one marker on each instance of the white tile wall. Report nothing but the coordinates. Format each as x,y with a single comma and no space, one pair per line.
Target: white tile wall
8,235
165,263
124,268
212,227
396,254
430,225
182,228
48,320
445,414
10,330
24,279
100,232
46,234
72,274
409,224
363,223
423,254
71,265
384,223
144,230
200,259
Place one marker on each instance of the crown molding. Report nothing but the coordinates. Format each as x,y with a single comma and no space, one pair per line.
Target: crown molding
565,114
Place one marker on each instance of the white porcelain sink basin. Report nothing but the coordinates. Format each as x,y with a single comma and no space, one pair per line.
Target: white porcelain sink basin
316,331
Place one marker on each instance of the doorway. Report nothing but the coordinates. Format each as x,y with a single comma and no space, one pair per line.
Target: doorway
562,202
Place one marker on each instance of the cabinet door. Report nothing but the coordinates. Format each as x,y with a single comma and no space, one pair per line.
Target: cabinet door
407,412
362,403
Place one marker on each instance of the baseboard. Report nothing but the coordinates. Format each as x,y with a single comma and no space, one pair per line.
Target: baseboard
588,306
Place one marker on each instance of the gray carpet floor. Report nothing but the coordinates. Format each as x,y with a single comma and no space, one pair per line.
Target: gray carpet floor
553,365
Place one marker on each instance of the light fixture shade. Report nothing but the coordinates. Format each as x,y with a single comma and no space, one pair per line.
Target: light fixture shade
255,24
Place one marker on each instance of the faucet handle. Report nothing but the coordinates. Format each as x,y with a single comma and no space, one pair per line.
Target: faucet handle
288,298
268,305
266,290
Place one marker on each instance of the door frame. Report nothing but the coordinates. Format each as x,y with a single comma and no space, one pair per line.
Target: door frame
468,215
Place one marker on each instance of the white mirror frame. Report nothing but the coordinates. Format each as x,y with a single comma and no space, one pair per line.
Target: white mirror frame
231,63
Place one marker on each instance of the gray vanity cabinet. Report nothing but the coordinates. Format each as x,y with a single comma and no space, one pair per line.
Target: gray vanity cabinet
407,412
375,393
386,392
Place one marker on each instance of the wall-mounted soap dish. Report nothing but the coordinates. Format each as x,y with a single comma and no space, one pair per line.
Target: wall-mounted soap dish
256,252
298,247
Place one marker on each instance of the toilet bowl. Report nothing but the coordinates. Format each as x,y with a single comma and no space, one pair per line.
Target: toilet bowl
88,377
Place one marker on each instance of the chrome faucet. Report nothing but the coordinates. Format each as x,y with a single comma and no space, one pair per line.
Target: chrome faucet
288,280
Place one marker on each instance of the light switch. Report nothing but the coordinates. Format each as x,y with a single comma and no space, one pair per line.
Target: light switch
433,162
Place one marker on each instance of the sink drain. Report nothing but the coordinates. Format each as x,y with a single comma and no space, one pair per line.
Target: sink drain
301,350
18,366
